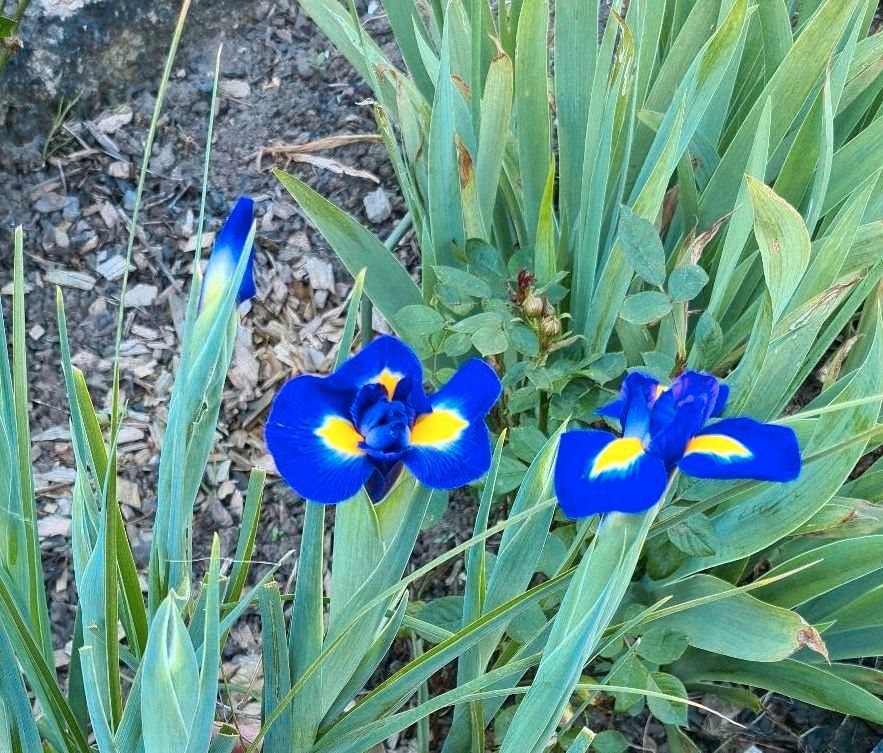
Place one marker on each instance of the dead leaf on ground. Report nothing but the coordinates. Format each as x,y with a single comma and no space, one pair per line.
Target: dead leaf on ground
290,151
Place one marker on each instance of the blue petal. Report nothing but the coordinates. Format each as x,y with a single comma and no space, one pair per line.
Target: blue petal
228,249
473,390
639,392
723,394
612,410
387,361
452,463
743,448
315,446
449,444
596,473
689,386
668,440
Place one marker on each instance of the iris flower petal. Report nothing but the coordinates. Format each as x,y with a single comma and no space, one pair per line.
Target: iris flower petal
669,436
743,448
314,443
596,472
387,361
723,394
462,457
473,390
636,395
612,410
228,249
450,445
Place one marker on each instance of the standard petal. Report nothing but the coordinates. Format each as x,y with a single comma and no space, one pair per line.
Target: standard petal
687,388
471,392
743,448
447,451
723,394
228,249
596,473
669,440
639,393
314,443
612,410
385,360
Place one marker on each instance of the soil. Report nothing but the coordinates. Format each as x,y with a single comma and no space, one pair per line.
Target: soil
71,185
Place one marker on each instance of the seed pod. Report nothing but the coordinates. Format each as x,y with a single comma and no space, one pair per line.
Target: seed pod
532,306
550,326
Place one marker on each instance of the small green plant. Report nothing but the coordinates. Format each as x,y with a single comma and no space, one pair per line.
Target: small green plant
52,143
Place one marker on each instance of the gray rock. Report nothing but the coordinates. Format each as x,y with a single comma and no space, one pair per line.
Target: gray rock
117,44
50,202
129,200
72,209
377,206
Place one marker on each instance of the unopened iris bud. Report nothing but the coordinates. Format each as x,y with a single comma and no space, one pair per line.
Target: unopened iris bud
550,326
532,306
226,254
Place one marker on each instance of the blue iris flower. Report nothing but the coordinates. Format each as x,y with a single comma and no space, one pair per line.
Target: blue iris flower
331,435
228,249
664,428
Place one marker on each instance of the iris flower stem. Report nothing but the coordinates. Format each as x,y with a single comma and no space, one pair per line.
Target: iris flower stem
543,413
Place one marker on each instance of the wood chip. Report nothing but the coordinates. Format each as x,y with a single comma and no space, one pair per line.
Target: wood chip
68,278
234,88
58,433
141,295
54,477
120,169
112,268
128,493
111,121
53,525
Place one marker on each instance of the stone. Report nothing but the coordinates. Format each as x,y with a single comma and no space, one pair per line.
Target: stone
377,206
234,88
72,211
50,202
110,121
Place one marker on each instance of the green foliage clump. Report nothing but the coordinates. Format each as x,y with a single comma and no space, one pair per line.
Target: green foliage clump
699,186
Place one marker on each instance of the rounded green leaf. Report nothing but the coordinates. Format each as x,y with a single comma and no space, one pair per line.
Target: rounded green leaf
490,341
645,307
419,320
642,247
685,283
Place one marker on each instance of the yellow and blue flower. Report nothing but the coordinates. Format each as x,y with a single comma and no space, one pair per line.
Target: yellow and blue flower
229,247
664,428
331,435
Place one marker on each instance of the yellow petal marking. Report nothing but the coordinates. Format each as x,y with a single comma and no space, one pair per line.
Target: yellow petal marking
660,388
339,434
721,445
389,379
617,456
437,429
